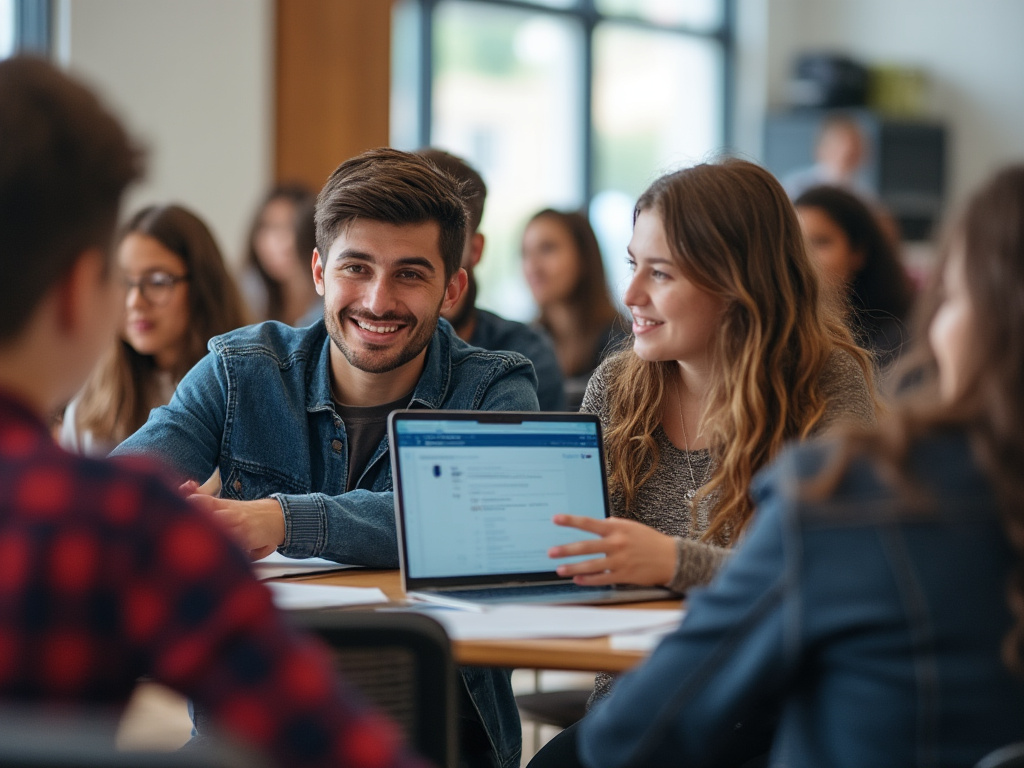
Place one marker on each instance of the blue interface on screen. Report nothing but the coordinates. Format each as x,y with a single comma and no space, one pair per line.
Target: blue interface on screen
478,498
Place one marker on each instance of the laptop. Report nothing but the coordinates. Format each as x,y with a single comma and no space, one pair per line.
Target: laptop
475,492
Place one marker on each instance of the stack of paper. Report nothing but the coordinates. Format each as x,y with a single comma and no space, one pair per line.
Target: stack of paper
294,595
275,566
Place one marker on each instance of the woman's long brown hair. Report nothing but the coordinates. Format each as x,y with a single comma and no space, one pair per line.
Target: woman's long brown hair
119,394
989,407
734,233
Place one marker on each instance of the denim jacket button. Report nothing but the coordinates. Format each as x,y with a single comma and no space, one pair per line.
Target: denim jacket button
337,423
336,445
237,485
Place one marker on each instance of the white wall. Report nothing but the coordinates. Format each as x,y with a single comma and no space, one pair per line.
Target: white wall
970,49
193,80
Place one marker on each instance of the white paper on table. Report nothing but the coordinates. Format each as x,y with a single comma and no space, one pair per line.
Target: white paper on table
292,595
645,640
521,622
275,565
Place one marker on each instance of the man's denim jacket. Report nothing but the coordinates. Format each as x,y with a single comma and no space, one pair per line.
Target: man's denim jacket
259,409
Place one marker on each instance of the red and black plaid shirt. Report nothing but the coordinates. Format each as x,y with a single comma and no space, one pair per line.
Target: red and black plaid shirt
107,575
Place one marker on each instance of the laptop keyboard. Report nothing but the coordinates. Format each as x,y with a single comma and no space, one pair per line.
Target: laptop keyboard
534,591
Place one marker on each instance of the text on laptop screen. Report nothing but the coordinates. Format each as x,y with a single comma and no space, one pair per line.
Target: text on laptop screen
478,498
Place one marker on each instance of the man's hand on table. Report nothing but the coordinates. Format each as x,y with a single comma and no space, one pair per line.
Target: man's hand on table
257,526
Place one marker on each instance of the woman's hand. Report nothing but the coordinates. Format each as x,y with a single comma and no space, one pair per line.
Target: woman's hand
633,553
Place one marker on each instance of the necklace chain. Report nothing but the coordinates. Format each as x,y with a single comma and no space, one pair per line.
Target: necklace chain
691,492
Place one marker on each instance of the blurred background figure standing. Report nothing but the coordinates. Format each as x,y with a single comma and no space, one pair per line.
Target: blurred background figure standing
278,279
563,268
179,294
860,264
840,155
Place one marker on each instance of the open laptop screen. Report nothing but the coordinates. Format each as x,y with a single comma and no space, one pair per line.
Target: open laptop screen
476,491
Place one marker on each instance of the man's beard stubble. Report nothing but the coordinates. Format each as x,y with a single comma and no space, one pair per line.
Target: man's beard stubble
421,335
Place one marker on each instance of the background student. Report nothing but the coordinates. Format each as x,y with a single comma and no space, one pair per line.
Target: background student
107,574
281,240
841,151
563,267
179,295
734,353
859,262
478,326
877,603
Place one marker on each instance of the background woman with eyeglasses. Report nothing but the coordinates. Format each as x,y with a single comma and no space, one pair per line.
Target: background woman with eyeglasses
178,294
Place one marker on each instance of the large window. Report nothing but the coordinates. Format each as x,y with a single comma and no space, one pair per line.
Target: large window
7,23
561,103
24,26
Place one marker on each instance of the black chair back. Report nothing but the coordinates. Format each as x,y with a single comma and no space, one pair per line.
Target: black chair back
402,663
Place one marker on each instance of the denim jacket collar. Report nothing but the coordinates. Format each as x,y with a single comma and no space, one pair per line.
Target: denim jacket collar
430,390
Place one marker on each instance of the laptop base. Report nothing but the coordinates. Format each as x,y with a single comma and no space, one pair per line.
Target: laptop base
543,594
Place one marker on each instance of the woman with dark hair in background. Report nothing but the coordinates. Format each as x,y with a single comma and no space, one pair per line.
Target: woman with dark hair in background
279,280
179,295
858,259
875,609
563,267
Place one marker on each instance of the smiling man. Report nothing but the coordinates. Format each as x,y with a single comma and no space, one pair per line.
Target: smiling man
294,419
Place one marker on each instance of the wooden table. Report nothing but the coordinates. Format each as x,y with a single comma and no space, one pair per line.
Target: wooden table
590,654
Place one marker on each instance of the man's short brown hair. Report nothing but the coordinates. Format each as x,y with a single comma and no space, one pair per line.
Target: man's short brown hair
65,161
394,187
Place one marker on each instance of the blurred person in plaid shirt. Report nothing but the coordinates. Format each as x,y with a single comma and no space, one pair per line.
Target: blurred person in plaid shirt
106,574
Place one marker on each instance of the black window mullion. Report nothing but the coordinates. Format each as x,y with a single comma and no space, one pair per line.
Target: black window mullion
586,124
426,73
728,39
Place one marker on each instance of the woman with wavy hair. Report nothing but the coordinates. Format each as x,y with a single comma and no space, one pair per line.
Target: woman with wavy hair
918,659
179,294
735,352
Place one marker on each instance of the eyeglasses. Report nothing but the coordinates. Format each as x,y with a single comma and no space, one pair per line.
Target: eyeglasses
156,287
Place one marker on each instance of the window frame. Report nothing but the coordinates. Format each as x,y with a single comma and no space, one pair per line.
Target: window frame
590,18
